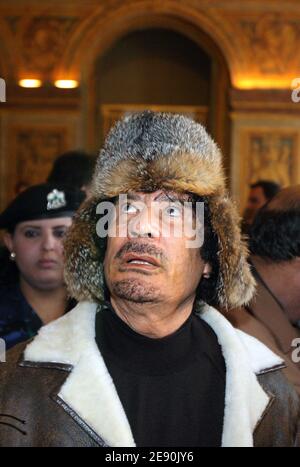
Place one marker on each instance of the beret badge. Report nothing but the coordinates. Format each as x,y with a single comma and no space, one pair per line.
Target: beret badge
55,200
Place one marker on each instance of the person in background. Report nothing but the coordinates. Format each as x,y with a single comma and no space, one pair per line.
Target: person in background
260,193
273,316
32,289
73,169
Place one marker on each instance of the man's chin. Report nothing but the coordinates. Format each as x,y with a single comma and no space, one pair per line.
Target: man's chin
136,291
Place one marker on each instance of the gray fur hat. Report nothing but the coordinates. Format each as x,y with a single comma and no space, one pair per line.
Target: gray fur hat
146,152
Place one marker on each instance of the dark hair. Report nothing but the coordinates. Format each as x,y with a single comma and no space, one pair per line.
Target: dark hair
73,168
269,188
9,272
275,235
208,288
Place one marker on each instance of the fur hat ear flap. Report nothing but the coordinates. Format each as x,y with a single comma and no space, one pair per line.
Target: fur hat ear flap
236,283
84,273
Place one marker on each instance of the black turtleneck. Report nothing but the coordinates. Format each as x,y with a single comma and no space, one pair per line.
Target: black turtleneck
172,389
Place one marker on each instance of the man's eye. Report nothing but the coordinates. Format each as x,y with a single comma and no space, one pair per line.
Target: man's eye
173,211
129,208
31,233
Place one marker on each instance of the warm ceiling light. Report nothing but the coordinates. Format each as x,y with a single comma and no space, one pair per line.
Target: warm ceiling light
263,83
66,83
30,83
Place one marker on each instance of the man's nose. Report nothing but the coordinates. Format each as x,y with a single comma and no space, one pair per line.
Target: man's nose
145,224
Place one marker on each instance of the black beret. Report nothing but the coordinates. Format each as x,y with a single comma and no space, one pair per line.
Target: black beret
43,201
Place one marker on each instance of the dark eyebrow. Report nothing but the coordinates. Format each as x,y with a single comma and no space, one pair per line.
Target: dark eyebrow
133,197
37,227
130,197
31,227
172,197
166,197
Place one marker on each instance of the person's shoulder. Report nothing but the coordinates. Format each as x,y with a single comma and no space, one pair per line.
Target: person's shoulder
10,299
9,292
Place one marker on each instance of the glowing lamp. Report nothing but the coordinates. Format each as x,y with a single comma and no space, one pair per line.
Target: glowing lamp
66,83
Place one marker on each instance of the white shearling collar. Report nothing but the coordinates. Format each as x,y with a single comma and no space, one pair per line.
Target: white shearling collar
89,389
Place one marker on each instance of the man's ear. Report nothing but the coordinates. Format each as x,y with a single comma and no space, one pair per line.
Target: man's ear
8,241
207,271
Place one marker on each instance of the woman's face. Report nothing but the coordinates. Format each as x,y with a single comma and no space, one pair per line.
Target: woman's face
38,248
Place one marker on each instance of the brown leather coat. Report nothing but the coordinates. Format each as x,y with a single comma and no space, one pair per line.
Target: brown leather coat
31,412
34,392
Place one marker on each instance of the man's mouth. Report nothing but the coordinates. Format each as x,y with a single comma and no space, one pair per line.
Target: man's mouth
135,259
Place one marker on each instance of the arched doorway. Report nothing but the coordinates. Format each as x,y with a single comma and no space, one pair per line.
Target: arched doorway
213,80
153,68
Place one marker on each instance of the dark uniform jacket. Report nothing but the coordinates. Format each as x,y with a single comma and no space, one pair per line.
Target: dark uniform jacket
59,392
18,321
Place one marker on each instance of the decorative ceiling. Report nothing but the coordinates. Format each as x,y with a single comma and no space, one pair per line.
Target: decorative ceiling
53,40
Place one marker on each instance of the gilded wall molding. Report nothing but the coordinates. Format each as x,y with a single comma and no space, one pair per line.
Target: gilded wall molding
258,39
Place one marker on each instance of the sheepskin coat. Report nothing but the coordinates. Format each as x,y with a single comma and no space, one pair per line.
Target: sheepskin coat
57,391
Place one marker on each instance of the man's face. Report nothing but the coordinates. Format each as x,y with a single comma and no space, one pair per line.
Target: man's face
256,200
146,265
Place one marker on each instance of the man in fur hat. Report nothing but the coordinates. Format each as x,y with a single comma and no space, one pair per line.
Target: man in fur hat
144,359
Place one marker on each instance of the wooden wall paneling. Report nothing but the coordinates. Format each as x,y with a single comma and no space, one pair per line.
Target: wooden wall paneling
30,144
